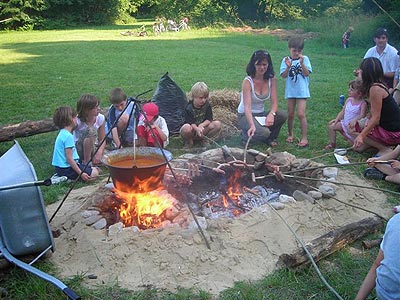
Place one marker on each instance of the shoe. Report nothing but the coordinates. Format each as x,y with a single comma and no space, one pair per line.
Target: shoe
55,179
374,173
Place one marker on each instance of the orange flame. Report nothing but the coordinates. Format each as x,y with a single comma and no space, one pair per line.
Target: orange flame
233,192
143,208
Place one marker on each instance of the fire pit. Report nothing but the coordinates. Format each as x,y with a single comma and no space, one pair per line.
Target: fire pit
244,247
144,198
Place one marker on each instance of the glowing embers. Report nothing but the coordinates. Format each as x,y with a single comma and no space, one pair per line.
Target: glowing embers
234,198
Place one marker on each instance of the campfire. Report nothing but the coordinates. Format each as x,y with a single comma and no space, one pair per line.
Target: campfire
216,189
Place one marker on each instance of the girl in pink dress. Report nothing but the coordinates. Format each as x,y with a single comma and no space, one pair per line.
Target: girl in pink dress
354,109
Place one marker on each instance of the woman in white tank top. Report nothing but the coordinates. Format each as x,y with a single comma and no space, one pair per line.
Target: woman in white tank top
258,88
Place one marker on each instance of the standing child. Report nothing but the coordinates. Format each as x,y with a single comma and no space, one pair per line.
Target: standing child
154,123
354,109
65,157
199,117
296,68
121,130
346,37
90,130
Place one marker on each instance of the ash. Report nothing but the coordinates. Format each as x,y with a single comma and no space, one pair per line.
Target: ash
212,203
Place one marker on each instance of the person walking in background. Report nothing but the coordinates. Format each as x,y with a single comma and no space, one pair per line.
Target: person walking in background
199,120
124,128
346,37
154,124
65,157
259,87
354,109
382,129
296,69
90,129
384,274
386,53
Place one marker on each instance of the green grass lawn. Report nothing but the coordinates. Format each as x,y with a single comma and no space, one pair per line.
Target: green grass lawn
40,71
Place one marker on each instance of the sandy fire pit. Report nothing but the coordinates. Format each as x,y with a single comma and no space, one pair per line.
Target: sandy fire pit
245,247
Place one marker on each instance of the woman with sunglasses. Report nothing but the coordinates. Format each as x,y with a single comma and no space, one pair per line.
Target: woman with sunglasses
258,88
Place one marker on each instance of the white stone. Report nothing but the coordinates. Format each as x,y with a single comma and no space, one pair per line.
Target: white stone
330,172
89,213
327,190
286,199
100,224
109,186
115,229
92,219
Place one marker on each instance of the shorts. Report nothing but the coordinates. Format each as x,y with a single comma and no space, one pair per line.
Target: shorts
382,136
70,173
89,132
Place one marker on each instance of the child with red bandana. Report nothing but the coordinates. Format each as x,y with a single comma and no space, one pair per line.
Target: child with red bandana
152,124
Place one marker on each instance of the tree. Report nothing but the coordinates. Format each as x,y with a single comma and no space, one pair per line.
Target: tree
22,14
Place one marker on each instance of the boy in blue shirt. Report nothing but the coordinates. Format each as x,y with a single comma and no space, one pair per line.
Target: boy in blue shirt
125,126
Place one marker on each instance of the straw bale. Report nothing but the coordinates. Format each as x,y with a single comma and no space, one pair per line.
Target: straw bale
225,98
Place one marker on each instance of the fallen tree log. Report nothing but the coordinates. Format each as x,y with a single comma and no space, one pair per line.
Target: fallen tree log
29,128
331,242
24,129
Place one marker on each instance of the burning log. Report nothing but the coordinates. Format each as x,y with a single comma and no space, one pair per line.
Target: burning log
331,242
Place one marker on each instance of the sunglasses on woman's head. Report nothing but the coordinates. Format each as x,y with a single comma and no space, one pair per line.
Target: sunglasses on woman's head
258,52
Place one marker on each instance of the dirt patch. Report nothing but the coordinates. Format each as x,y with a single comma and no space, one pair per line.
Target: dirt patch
282,34
244,248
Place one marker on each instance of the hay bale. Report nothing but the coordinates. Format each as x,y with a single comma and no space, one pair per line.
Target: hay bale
225,98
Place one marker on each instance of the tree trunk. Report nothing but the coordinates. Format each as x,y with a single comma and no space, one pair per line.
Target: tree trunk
28,128
331,242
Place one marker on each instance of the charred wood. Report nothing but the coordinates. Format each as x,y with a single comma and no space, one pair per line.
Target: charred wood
331,242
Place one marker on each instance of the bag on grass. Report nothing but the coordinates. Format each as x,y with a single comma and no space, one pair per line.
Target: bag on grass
171,101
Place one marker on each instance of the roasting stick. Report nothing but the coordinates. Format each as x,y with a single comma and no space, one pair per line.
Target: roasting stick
324,180
327,166
224,148
245,148
303,246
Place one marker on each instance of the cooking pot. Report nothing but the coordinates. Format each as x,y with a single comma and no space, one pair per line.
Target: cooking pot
142,171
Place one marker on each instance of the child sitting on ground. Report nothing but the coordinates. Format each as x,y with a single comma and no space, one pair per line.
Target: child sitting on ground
122,133
354,109
65,157
199,121
154,124
385,167
90,130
